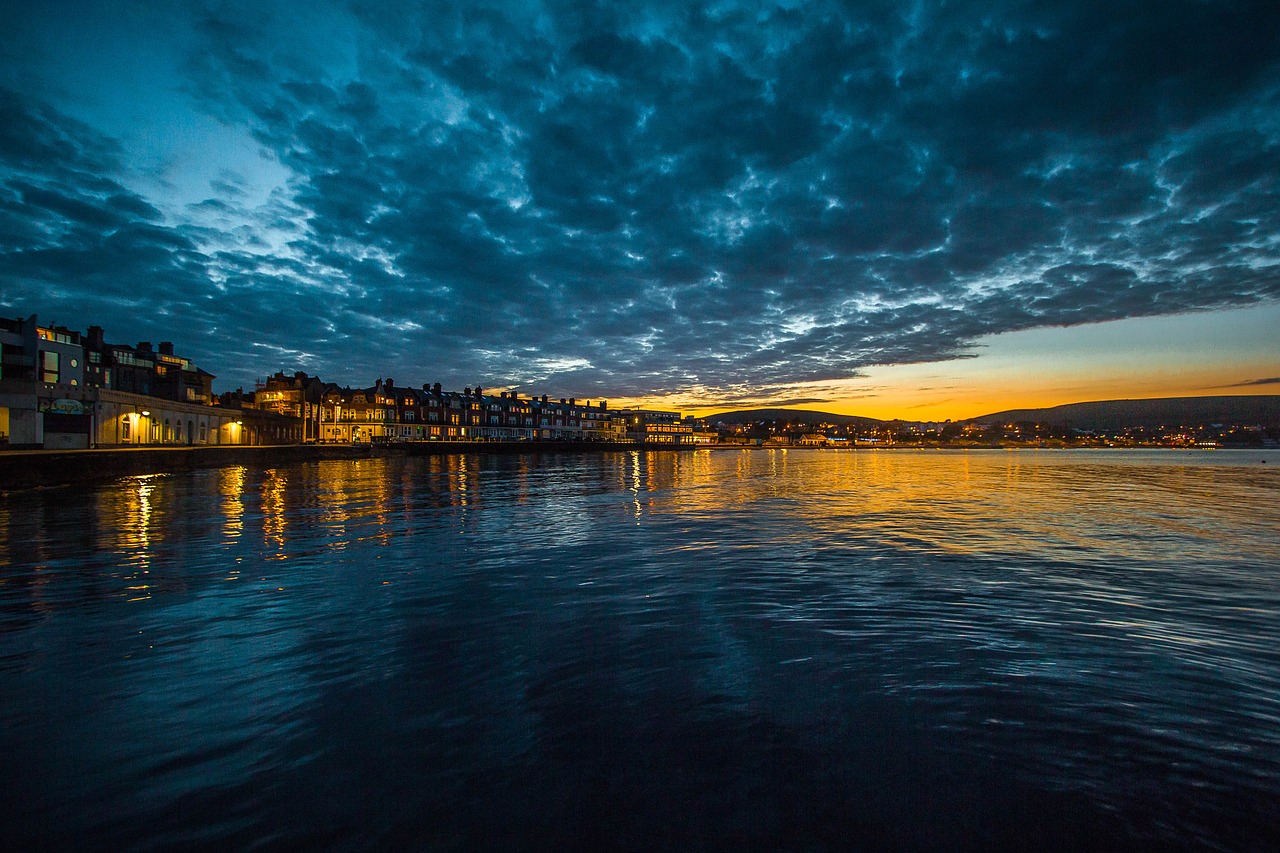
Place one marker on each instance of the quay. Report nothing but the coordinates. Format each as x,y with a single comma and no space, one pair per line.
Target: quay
28,469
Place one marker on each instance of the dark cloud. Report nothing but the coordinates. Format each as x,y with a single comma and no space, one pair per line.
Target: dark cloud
1273,380
623,199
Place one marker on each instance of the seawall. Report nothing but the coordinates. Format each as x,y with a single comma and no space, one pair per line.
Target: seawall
27,469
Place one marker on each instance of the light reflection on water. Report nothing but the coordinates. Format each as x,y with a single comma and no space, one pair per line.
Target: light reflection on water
763,648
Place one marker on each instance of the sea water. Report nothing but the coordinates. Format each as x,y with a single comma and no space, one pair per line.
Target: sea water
700,650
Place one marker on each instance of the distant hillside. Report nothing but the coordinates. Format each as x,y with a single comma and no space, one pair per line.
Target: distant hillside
1167,411
751,416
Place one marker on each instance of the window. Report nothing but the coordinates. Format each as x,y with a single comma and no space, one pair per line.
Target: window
125,424
58,337
75,363
49,365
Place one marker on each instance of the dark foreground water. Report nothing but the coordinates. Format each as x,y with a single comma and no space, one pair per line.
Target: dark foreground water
755,649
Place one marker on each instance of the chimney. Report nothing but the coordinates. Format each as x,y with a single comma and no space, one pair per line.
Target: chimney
573,401
391,383
144,346
435,389
166,347
96,339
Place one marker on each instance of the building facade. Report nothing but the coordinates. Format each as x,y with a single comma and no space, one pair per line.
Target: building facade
61,389
649,426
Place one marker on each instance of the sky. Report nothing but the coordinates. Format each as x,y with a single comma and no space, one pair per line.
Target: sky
919,210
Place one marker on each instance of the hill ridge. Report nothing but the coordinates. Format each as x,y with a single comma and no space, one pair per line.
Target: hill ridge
1261,409
1249,409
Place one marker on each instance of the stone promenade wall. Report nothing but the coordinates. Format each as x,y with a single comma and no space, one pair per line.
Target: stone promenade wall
25,469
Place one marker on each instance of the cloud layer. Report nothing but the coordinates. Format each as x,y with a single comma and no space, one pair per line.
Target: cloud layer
628,199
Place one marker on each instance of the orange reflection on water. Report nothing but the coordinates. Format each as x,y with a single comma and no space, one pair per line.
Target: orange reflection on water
462,487
1056,503
335,503
132,520
635,483
231,488
381,504
274,513
358,500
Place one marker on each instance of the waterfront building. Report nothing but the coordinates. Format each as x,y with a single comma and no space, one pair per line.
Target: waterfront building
650,426
702,435
30,352
41,380
298,397
142,370
63,390
59,389
569,420
501,417
435,410
121,418
391,413
405,421
350,415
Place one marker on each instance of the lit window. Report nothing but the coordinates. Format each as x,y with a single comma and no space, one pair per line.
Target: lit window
49,366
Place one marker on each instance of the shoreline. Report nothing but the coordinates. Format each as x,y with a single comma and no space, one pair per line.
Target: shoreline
30,469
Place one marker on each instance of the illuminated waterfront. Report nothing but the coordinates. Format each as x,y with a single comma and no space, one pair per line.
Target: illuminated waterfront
704,650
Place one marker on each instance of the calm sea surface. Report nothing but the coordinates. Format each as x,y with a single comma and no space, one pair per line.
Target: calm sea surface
729,649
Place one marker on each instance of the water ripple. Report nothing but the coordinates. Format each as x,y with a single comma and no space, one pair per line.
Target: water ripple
778,649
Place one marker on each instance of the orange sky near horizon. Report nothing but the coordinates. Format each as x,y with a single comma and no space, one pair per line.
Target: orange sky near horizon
1188,355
